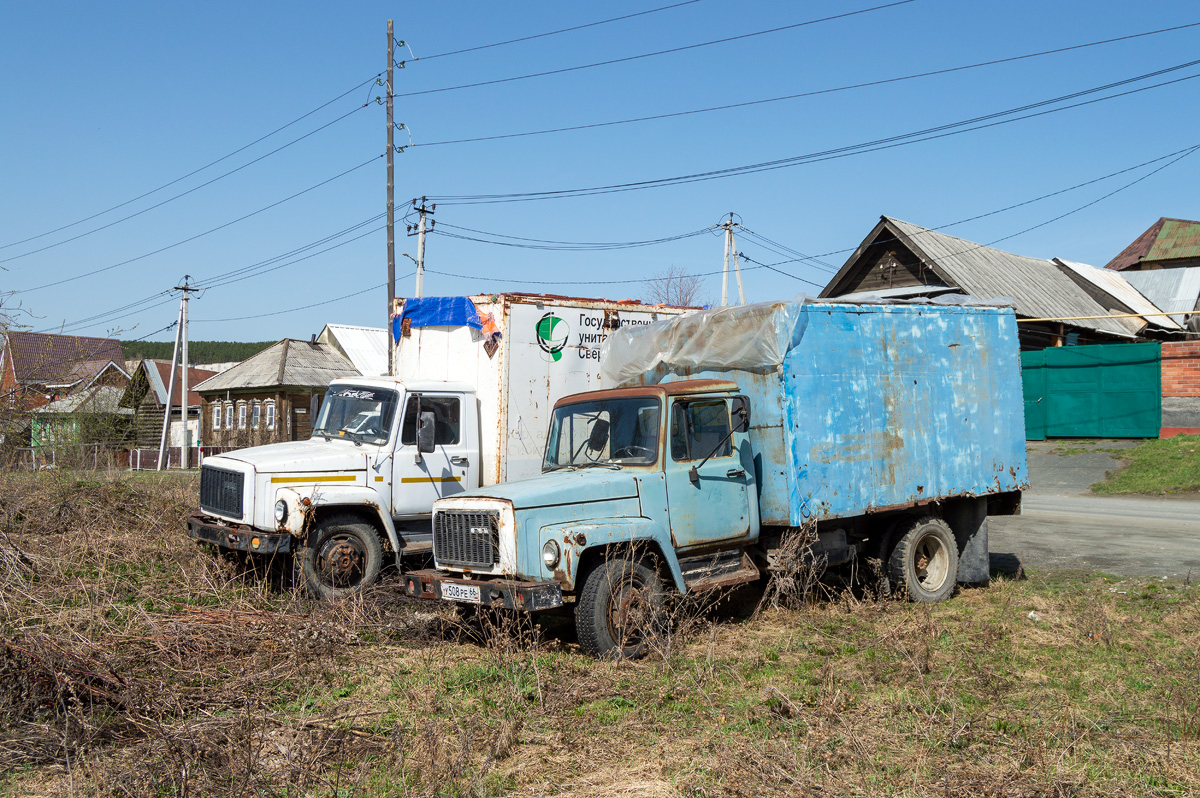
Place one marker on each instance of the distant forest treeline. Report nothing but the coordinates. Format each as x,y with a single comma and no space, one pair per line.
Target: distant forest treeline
198,351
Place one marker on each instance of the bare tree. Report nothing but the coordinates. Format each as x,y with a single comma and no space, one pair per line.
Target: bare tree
674,286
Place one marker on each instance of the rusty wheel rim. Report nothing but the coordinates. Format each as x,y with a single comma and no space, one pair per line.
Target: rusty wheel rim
340,560
931,562
629,612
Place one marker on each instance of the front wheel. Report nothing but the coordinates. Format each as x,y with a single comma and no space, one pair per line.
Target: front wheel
621,608
924,562
343,555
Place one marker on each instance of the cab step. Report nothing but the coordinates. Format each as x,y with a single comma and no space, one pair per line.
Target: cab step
723,569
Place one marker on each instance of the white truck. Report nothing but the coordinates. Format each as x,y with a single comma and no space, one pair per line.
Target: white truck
476,379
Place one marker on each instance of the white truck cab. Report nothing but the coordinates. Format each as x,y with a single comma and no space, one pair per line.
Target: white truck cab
382,451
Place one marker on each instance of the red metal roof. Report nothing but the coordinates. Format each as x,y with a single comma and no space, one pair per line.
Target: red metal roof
195,377
1167,239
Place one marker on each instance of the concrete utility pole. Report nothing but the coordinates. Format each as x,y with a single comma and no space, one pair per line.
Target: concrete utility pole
420,232
391,198
731,248
181,335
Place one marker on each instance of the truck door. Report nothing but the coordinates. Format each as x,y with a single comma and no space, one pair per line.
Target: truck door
451,468
713,506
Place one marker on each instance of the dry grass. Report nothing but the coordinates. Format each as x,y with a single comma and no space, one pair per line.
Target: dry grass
134,663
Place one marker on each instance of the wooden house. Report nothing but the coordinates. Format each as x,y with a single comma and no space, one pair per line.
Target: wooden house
270,397
898,259
146,396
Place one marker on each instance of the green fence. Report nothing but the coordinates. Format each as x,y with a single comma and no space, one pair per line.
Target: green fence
1105,391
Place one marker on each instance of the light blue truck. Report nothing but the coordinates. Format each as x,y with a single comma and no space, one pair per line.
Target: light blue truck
890,431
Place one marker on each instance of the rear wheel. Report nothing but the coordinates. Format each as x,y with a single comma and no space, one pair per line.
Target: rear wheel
343,555
621,608
924,562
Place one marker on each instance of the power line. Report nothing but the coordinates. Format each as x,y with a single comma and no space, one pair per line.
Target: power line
194,171
233,276
577,246
322,303
555,32
558,282
181,194
928,134
198,235
656,53
817,92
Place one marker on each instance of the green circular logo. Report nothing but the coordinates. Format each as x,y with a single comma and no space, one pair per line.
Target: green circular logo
552,335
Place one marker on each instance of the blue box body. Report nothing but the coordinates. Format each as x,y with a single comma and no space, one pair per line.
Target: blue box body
878,407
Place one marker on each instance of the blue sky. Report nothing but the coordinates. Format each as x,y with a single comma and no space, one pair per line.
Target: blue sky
106,102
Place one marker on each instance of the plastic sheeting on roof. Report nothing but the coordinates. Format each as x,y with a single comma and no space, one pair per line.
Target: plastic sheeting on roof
742,336
437,311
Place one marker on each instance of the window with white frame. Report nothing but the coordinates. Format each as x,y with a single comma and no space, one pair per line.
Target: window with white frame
269,422
255,415
229,415
216,414
241,415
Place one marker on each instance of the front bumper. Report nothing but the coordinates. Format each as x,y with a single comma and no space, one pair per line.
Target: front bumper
527,596
237,536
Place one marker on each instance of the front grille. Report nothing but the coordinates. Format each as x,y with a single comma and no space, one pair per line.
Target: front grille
465,538
221,491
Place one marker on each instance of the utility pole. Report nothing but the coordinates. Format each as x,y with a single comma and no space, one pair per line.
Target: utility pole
420,233
181,335
731,248
391,199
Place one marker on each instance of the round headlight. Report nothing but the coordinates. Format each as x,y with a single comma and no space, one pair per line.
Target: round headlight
550,553
280,510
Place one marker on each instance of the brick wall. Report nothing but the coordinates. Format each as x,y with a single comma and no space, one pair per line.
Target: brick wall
1181,368
1180,388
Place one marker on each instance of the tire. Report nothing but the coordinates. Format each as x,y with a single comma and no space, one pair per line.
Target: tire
924,563
621,608
342,556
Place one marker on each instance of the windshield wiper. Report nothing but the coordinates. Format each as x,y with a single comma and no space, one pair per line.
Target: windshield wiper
598,464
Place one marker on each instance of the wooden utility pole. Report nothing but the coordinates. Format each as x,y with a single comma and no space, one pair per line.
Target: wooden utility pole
391,200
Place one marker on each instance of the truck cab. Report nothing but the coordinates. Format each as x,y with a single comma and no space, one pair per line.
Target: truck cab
641,488
381,452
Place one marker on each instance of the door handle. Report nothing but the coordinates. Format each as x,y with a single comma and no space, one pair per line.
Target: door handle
458,459
735,472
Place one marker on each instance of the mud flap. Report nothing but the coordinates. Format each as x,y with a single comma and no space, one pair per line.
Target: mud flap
968,518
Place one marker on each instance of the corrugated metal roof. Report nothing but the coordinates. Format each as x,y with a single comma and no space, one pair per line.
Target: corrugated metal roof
289,362
1115,284
101,399
1170,289
160,377
901,292
1167,239
1037,287
365,347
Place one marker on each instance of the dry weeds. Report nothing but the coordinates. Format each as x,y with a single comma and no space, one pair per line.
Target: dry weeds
134,663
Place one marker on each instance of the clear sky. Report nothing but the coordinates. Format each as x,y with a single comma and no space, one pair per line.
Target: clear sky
105,104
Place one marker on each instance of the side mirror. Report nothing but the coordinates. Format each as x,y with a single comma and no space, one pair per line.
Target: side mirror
741,414
425,434
598,438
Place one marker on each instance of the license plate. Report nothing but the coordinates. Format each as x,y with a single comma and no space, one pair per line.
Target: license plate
454,592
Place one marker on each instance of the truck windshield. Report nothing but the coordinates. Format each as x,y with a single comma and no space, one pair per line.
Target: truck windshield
618,432
357,413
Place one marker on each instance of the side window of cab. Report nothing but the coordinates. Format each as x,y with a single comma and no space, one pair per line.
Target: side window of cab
699,429
446,413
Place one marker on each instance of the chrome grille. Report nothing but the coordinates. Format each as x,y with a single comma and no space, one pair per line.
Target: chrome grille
221,491
466,538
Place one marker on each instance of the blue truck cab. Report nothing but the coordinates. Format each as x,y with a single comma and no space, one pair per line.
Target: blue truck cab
887,431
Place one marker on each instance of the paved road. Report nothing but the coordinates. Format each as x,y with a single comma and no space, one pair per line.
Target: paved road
1062,525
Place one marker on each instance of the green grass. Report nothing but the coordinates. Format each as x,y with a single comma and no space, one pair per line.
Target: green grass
1157,467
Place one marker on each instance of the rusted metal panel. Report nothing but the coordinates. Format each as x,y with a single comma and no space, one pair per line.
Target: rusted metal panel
882,407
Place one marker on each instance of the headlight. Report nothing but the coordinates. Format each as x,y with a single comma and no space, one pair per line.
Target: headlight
280,511
550,553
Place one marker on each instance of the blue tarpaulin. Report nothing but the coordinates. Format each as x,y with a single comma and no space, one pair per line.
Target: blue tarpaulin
437,311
